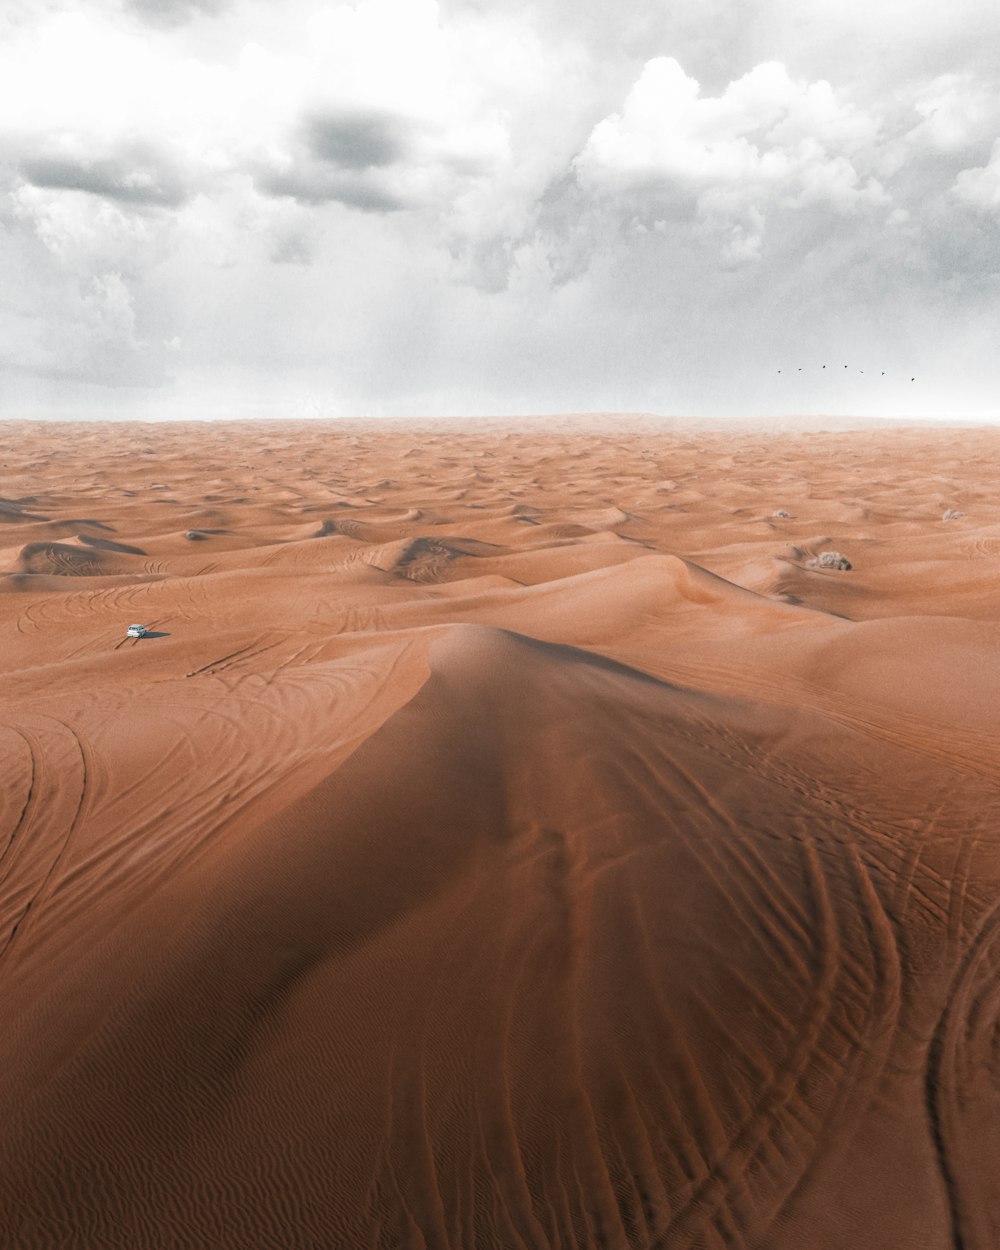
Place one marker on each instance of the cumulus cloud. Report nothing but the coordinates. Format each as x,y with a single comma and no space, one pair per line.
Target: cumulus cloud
957,112
80,265
980,185
83,234
766,141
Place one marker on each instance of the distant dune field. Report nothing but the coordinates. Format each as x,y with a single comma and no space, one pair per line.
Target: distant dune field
508,837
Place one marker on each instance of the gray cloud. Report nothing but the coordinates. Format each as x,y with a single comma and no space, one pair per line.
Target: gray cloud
293,248
312,185
133,179
170,13
345,157
357,140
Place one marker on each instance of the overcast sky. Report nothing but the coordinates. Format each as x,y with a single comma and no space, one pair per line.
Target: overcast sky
254,208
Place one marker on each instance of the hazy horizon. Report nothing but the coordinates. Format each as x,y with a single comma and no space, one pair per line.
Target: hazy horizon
394,208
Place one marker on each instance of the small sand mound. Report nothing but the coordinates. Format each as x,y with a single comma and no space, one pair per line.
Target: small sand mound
424,559
359,530
105,544
12,510
60,559
831,560
601,519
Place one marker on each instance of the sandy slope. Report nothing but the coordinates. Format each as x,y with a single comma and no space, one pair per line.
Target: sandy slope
507,839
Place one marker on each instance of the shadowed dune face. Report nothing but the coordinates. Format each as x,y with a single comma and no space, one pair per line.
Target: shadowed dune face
503,839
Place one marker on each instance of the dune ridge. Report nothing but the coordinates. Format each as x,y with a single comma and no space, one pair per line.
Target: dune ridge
506,838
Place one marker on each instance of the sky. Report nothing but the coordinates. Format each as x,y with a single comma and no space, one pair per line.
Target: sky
244,208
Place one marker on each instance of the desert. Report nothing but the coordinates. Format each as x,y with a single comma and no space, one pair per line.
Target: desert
505,835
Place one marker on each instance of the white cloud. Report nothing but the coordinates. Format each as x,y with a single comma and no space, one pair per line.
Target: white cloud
765,142
980,186
957,111
108,305
81,231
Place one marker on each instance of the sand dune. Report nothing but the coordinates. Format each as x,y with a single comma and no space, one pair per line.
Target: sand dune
506,838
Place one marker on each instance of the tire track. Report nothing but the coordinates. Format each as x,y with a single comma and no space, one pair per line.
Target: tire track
51,852
24,814
965,1133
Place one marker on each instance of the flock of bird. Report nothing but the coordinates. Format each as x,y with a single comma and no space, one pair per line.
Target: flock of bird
799,370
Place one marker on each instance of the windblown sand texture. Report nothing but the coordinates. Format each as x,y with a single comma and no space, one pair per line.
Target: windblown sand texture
507,838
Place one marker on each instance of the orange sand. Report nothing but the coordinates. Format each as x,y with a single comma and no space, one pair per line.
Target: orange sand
507,840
